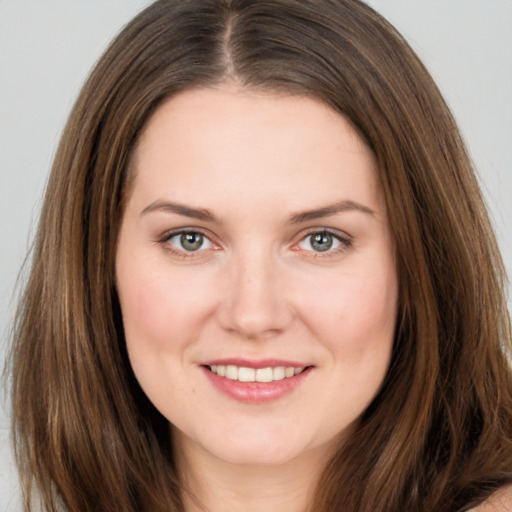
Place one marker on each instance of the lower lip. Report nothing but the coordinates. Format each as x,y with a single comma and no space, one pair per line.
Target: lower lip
256,392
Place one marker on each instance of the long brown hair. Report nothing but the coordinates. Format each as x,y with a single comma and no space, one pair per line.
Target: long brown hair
438,437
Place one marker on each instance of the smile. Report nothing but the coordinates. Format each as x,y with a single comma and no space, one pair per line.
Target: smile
256,382
245,374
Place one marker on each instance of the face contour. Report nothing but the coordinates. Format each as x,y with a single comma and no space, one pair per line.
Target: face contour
256,275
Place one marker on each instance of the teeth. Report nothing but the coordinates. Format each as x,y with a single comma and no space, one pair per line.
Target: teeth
279,372
243,374
232,372
246,374
264,375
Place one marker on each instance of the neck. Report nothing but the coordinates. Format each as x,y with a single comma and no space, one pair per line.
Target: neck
214,485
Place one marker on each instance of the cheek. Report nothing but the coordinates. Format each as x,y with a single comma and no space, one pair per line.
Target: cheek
355,321
162,315
158,304
355,314
148,311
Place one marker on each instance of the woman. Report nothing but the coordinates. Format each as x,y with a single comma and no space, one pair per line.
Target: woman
264,278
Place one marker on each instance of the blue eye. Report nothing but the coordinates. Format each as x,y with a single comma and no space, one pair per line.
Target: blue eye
322,241
189,241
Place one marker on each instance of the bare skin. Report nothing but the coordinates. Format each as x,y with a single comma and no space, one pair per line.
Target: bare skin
255,242
256,237
500,501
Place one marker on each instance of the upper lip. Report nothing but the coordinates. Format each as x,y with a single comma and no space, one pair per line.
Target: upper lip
255,363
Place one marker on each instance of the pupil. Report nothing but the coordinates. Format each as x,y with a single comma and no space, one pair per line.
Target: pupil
191,241
322,242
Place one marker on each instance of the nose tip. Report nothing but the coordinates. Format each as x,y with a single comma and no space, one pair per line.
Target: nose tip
256,305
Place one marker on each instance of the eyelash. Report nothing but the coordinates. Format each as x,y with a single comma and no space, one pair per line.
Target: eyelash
345,242
182,253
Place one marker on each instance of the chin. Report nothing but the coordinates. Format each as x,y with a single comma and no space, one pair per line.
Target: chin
260,447
249,446
257,456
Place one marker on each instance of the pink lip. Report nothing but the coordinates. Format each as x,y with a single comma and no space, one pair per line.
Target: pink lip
256,392
252,363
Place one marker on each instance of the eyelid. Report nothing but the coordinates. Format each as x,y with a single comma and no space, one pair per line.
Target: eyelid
179,241
166,235
344,238
181,253
342,235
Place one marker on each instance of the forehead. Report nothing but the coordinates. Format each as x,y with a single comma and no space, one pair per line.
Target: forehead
207,143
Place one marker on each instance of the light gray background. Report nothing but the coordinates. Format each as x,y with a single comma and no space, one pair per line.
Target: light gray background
47,48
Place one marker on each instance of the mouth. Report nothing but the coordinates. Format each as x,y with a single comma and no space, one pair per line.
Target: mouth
246,374
256,382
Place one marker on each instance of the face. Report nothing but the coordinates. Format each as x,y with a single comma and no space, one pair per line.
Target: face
256,275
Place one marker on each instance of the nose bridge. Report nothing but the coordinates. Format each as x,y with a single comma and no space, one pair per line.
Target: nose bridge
256,304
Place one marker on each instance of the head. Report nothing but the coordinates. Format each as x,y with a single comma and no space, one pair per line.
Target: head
344,57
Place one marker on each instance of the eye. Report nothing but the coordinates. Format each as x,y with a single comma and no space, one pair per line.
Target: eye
189,241
323,241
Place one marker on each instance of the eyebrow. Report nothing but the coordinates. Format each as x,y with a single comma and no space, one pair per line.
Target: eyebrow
326,211
181,209
297,218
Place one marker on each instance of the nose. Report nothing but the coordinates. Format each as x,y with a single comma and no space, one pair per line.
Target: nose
255,304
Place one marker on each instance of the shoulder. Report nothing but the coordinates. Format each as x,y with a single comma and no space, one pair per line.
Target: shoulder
500,501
